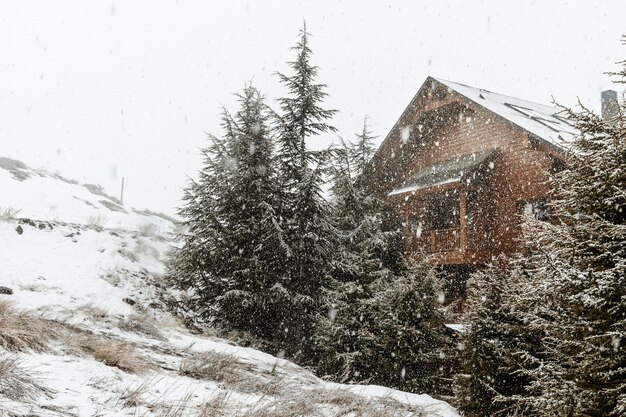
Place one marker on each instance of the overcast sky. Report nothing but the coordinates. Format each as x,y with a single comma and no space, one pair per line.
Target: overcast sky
98,90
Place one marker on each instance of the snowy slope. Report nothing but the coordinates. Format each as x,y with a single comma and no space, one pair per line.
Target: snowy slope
40,195
98,341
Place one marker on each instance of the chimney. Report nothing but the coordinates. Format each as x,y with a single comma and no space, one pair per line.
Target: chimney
609,105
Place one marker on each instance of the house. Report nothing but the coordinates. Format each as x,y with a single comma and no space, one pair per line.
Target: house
462,165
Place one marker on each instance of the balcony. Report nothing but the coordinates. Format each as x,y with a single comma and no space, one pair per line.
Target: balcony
439,240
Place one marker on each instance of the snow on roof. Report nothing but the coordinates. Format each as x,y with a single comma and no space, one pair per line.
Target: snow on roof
539,119
444,172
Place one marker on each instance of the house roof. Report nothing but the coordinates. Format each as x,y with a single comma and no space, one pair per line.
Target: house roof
445,172
541,120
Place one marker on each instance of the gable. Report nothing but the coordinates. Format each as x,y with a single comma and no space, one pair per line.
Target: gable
438,108
543,122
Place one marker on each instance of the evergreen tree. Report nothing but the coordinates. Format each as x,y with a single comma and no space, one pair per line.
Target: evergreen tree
582,263
384,325
571,291
491,381
387,332
358,214
309,232
234,250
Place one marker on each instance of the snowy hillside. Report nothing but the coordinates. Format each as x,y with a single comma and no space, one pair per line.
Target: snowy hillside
83,331
38,194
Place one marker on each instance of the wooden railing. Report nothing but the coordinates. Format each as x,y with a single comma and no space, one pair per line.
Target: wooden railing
441,240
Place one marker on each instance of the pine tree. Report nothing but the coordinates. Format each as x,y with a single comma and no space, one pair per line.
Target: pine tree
358,213
582,262
387,332
384,325
571,294
491,381
309,232
234,250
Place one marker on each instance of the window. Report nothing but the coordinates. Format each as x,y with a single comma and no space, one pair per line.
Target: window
442,211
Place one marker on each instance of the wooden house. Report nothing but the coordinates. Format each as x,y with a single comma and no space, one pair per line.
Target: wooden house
462,166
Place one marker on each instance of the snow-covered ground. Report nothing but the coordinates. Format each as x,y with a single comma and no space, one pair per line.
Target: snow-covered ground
86,333
41,195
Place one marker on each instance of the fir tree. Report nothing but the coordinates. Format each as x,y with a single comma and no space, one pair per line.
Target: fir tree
309,232
387,332
491,381
233,252
571,294
384,325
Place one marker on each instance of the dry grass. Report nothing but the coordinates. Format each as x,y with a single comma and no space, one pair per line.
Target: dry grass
120,355
131,397
212,366
8,213
97,221
142,324
130,255
142,248
147,230
21,331
338,403
300,406
17,382
214,407
228,370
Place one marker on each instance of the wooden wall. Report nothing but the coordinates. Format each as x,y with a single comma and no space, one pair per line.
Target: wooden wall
520,171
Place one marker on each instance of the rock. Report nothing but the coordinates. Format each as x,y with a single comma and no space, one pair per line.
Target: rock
41,226
6,290
19,229
129,301
155,305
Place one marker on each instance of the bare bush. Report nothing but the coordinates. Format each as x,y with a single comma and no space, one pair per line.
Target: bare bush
21,331
17,382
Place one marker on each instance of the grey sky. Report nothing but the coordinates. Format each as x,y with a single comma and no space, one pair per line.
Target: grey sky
99,90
